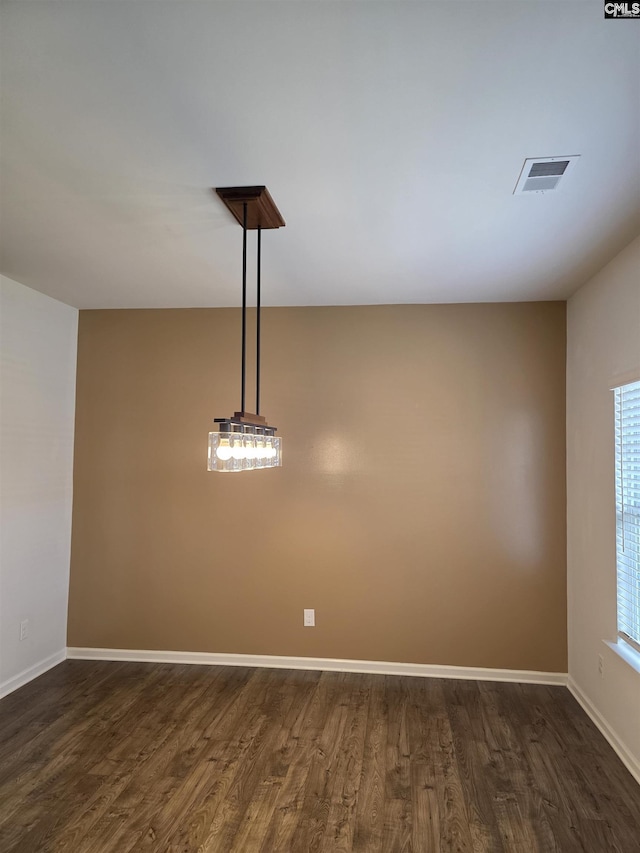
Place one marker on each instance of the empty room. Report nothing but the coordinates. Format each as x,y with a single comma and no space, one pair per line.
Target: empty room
380,259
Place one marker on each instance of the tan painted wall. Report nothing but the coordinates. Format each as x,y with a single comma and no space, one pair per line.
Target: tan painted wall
420,509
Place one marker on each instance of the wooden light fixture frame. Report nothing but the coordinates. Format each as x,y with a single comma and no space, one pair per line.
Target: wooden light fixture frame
255,210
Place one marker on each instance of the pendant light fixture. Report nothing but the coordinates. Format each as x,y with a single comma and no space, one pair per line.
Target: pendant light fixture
245,441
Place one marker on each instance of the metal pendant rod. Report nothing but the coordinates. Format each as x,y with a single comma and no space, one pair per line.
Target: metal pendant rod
244,304
258,323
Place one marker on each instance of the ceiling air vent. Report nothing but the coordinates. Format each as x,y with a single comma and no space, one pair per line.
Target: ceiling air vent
544,174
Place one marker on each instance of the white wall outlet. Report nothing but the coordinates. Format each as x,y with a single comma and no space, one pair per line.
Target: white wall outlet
24,629
309,619
601,666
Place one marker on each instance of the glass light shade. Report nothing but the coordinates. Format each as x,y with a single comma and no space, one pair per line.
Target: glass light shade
243,448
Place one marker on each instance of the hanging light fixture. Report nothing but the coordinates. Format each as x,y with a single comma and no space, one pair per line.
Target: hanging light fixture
246,441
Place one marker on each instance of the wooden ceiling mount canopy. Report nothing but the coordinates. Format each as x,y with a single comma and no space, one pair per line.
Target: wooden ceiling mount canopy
261,209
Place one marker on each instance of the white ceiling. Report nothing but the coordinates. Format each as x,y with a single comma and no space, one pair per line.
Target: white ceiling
390,134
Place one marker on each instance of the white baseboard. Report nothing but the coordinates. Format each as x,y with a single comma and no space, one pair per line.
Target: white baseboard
32,672
624,754
330,664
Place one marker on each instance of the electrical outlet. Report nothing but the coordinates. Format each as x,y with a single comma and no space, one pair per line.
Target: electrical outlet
601,666
24,629
309,619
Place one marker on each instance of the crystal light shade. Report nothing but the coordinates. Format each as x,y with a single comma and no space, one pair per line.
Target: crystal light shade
243,447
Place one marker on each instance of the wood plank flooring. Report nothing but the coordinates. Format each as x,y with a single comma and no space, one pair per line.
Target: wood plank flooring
112,758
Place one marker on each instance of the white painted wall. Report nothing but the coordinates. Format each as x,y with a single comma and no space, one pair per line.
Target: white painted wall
38,343
603,350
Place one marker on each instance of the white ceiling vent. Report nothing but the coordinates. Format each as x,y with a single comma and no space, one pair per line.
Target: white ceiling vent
544,174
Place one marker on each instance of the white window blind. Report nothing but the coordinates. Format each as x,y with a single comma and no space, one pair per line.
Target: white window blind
627,414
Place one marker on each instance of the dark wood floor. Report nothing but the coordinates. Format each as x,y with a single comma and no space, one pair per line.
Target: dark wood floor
127,757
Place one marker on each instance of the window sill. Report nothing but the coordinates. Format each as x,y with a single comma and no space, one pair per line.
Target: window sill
626,652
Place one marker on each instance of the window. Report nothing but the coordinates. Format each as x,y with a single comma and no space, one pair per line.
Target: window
627,413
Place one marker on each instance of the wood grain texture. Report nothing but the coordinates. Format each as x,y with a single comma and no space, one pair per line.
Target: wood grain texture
261,208
98,757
